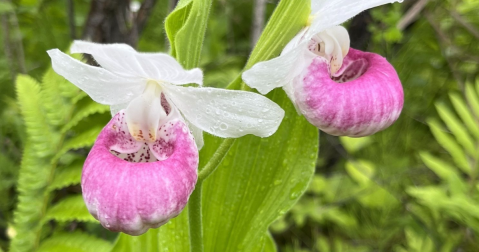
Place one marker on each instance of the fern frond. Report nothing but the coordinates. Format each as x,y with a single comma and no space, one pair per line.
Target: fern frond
463,111
39,131
67,176
33,179
55,106
450,145
85,108
74,242
472,99
456,127
83,140
70,209
446,172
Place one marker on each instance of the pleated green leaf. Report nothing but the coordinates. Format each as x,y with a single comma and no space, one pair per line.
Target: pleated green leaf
175,21
259,181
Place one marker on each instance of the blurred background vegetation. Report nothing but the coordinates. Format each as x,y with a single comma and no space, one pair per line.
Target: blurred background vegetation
412,187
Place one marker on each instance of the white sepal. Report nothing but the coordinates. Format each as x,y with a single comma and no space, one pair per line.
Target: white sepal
125,61
114,109
197,134
268,75
227,113
100,84
329,13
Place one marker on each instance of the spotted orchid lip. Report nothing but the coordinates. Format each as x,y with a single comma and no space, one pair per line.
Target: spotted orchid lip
131,195
365,96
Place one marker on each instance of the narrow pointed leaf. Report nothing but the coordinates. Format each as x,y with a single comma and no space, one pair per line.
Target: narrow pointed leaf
456,127
448,143
465,114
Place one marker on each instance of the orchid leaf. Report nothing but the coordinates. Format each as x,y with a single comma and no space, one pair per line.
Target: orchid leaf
175,21
284,24
269,176
186,27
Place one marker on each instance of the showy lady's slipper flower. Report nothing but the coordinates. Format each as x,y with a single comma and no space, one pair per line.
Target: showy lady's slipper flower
341,91
143,166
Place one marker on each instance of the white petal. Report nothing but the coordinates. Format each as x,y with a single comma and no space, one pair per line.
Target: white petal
316,5
227,113
124,60
329,13
342,37
143,115
300,37
114,109
101,85
268,75
197,134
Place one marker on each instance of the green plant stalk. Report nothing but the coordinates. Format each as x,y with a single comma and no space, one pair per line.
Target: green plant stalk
279,31
195,219
216,159
187,43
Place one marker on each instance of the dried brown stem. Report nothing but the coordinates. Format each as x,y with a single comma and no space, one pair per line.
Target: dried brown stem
111,21
464,23
71,18
258,20
412,14
7,48
443,39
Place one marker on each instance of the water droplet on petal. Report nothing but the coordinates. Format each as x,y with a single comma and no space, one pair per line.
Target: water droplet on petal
223,126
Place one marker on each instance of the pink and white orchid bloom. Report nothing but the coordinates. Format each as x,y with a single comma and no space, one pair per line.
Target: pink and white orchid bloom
143,166
341,91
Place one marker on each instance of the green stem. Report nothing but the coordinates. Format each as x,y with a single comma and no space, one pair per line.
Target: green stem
195,219
215,161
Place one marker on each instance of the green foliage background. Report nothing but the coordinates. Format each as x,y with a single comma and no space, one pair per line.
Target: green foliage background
412,187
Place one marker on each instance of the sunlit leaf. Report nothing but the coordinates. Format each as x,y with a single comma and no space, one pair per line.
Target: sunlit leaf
353,145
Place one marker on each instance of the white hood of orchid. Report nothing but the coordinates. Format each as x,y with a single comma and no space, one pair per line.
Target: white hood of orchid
364,94
143,166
